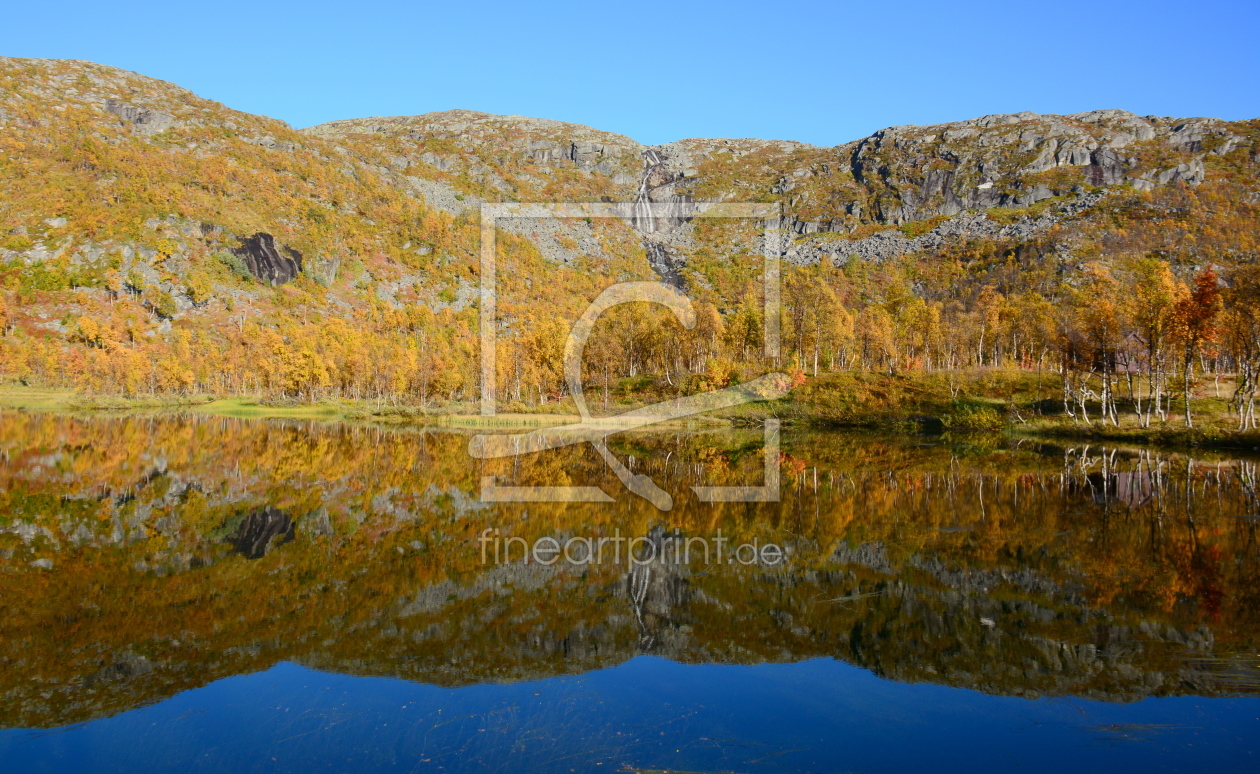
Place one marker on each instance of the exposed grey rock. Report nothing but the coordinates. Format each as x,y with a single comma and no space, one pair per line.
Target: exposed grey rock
869,555
897,175
985,580
143,120
441,196
891,243
323,269
316,524
439,162
542,142
127,666
267,141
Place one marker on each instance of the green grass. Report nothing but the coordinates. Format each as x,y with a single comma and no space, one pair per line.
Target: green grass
1208,435
459,415
984,401
24,398
35,398
928,400
246,408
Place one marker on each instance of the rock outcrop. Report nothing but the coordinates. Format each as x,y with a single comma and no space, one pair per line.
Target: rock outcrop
144,121
508,154
269,265
1003,160
260,530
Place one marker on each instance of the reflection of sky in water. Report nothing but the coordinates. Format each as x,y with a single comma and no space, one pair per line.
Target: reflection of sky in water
647,714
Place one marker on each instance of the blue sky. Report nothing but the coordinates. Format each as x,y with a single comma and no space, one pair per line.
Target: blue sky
823,73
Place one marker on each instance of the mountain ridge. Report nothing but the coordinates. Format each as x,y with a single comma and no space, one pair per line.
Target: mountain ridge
989,119
1070,140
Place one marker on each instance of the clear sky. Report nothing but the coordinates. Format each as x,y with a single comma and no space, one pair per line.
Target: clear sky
819,72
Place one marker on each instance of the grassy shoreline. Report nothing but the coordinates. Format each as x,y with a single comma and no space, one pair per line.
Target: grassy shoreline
1017,403
1169,436
63,401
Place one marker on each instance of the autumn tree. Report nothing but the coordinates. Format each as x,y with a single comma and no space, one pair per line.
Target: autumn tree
1103,325
1241,325
1153,305
1194,325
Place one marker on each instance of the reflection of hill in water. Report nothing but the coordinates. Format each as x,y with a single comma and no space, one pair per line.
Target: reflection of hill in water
186,551
900,629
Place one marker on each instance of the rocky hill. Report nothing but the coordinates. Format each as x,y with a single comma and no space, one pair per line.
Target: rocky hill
898,175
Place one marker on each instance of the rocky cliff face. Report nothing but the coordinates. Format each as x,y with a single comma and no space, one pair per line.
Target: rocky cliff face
905,174
897,175
268,264
1010,160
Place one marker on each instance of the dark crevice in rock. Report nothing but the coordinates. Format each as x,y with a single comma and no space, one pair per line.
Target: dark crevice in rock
272,266
260,530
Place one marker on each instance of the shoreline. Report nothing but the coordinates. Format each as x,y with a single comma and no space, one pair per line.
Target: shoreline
71,403
798,411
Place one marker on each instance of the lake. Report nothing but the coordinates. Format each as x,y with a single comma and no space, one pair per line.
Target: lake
184,593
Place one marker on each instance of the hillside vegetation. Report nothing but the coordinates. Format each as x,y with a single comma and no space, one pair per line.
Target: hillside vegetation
153,242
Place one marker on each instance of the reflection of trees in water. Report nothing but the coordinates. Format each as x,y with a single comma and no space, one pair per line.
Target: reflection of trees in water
1103,572
1143,477
640,579
1247,480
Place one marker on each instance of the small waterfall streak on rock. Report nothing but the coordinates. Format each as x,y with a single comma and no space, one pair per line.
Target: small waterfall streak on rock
647,220
640,580
644,218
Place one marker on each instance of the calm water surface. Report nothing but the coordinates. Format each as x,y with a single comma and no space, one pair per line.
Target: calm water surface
192,594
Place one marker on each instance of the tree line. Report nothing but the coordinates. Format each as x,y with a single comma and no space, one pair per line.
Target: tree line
1129,333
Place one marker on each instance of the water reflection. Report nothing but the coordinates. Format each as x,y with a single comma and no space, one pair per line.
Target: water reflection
259,530
144,556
